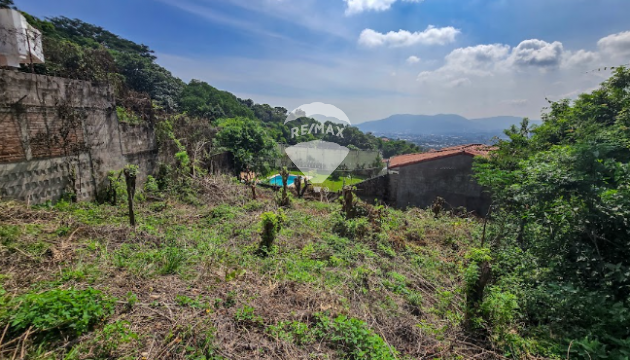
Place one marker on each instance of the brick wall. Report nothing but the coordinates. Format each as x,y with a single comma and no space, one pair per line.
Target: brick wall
47,123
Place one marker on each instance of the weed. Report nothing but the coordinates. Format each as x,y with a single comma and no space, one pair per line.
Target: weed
222,213
112,336
151,186
292,331
66,311
270,227
173,260
131,300
246,317
387,250
353,338
197,303
230,300
253,206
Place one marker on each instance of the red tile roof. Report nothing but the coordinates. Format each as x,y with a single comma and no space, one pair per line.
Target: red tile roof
470,150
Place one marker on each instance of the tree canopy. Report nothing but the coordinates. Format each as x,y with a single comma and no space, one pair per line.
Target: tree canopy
7,4
562,191
251,147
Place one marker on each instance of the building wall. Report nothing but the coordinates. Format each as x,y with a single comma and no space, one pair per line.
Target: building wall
450,178
48,123
378,187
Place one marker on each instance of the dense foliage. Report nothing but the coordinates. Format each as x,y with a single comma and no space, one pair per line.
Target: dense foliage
562,194
251,147
6,4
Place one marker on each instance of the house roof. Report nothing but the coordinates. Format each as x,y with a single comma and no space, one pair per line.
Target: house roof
470,150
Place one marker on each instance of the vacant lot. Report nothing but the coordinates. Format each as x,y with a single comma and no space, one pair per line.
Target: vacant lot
189,282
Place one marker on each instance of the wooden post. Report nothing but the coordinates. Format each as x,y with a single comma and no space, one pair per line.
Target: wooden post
130,180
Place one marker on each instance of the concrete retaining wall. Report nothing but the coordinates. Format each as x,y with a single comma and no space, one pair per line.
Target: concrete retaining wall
49,125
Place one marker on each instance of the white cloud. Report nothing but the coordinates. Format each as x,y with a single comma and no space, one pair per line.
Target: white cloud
537,53
615,45
430,36
413,60
359,6
529,57
477,60
459,82
516,102
580,59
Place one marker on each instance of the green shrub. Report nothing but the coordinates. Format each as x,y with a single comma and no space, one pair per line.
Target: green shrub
246,317
174,258
67,311
353,338
270,227
151,185
127,116
292,331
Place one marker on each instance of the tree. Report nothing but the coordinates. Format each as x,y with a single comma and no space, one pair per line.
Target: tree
198,98
7,4
142,74
563,195
251,147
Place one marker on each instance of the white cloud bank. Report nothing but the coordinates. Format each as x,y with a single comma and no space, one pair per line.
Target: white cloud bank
616,45
489,60
359,6
401,38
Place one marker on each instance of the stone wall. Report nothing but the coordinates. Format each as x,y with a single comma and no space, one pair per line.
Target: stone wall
50,127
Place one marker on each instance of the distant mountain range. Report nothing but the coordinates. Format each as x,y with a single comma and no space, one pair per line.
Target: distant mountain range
442,124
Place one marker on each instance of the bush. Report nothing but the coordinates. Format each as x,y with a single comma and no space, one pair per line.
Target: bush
66,311
354,228
353,337
271,225
173,259
151,185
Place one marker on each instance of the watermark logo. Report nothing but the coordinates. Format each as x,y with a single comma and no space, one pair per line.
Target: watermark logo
317,159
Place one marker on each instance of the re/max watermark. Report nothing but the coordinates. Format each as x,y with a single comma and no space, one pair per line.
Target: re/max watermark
316,128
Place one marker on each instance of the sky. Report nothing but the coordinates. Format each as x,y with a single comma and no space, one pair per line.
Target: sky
375,58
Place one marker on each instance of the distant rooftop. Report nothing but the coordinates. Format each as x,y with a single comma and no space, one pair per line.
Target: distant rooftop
470,150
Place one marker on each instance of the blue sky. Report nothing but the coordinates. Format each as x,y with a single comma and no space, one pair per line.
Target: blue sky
374,58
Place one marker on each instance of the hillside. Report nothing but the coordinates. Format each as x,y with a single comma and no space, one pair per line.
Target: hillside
442,124
79,50
189,263
189,281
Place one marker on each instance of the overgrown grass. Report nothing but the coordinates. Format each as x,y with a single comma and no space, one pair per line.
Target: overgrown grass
191,283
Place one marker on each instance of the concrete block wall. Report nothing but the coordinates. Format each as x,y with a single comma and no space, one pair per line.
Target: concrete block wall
378,187
450,178
34,157
420,184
